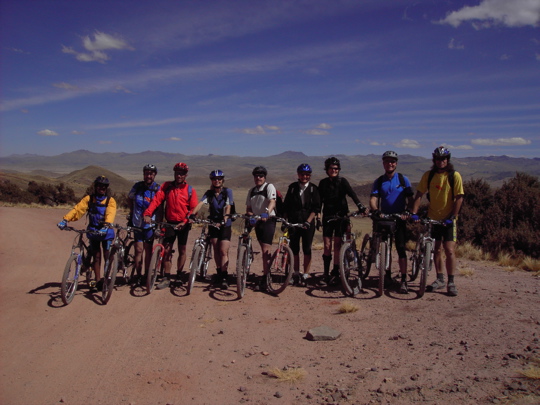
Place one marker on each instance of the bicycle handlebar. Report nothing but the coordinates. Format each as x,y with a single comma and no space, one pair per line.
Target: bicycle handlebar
208,222
80,231
346,216
288,224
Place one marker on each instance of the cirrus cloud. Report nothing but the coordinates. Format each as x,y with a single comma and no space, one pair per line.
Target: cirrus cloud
408,144
96,45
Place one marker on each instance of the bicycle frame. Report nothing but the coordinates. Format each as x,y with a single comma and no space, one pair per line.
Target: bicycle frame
422,257
201,254
244,256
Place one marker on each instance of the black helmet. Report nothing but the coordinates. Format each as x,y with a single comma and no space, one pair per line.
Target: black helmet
260,170
150,168
216,173
441,151
101,180
390,154
332,161
303,168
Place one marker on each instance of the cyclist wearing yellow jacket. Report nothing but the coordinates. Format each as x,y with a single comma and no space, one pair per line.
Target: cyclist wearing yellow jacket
101,210
445,193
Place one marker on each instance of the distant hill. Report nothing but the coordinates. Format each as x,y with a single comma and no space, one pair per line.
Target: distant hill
358,169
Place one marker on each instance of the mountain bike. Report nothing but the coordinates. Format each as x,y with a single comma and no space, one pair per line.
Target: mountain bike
281,265
201,254
121,259
158,253
79,263
244,256
422,256
377,248
351,268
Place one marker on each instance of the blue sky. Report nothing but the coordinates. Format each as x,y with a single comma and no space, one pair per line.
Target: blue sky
256,78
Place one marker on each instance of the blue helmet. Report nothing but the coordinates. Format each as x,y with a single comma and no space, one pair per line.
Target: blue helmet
304,167
441,151
216,173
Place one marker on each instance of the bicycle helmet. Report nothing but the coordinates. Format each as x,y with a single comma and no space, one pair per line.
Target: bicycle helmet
304,167
390,154
216,173
332,161
150,168
441,152
181,167
101,180
260,170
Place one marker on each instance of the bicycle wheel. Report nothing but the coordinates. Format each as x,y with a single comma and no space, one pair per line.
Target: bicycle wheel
70,279
350,270
203,269
280,273
425,265
415,263
381,261
194,265
155,264
129,261
110,277
366,256
241,270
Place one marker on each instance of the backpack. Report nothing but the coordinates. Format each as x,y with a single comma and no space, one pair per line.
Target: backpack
224,195
168,190
450,181
93,212
279,199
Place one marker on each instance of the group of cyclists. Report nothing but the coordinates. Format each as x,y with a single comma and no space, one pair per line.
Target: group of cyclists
176,203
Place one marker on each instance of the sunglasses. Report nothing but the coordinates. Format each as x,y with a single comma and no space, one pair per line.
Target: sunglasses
388,161
304,174
180,172
260,176
440,159
217,178
336,169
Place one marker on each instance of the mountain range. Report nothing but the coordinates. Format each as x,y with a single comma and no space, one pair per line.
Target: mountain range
79,168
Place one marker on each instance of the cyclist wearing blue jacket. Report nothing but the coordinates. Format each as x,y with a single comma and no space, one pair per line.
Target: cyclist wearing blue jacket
139,199
392,194
101,210
220,200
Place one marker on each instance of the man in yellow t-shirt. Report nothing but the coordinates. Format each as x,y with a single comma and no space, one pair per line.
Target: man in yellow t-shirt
445,200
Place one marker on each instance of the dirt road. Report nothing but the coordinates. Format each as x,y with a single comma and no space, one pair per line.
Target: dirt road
209,348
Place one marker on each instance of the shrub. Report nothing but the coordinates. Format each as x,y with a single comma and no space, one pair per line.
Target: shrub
10,193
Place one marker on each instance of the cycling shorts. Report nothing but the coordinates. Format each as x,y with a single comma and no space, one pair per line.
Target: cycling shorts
144,235
334,228
182,235
265,231
444,233
295,234
221,233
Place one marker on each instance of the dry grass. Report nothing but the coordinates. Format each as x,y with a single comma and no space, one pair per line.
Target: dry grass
466,272
347,308
288,374
468,251
532,373
530,264
506,260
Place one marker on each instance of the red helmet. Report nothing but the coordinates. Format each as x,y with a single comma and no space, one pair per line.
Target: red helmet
181,166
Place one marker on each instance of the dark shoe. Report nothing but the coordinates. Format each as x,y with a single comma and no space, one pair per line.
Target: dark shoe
403,288
224,281
452,290
302,282
436,285
99,285
262,286
165,283
296,279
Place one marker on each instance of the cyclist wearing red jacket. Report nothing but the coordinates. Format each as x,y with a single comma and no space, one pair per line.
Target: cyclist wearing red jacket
180,199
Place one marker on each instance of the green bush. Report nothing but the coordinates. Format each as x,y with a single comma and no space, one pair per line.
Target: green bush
10,193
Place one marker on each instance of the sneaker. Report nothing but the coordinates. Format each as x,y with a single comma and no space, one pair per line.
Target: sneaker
99,285
436,285
303,280
165,283
324,281
296,279
262,286
224,284
452,290
403,288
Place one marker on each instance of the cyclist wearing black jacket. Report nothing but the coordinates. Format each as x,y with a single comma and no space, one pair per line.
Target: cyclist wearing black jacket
302,204
333,191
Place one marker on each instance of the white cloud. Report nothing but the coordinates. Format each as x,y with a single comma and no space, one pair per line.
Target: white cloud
121,89
455,45
316,132
96,45
511,13
47,132
375,143
66,86
324,126
258,130
173,138
504,57
407,144
516,141
77,132
273,128
460,147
